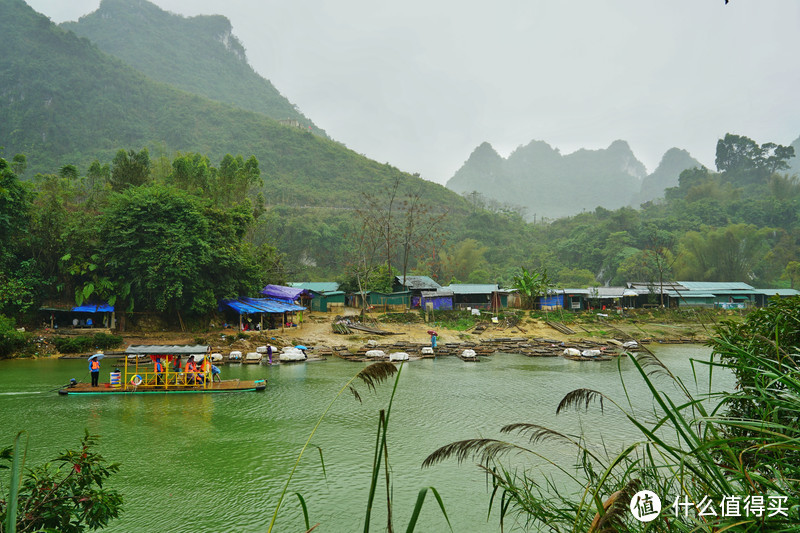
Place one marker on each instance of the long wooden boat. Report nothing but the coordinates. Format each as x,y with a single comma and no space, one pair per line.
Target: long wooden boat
144,379
228,385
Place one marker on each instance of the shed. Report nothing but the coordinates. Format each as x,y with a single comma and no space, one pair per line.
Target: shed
441,299
288,294
415,285
273,309
326,295
764,295
481,296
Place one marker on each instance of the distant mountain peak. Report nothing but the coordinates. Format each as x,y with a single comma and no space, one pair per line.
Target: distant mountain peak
537,177
203,56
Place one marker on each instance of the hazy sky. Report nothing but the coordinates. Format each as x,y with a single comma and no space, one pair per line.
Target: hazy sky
420,83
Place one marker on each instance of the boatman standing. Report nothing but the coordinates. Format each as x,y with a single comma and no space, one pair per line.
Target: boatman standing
94,368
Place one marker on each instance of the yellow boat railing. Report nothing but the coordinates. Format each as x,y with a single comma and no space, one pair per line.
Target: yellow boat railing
166,379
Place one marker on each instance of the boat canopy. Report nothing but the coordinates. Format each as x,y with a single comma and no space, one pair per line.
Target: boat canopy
175,349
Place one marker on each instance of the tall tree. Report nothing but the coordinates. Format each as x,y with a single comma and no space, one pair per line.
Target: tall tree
130,169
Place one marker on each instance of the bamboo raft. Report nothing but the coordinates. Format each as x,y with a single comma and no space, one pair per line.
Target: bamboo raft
484,348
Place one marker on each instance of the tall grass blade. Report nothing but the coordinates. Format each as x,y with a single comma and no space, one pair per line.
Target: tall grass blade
17,464
305,509
418,508
371,375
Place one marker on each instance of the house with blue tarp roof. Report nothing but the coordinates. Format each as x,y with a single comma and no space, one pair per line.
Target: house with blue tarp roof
269,308
326,295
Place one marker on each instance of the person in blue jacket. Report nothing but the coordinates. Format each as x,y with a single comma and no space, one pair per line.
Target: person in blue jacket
94,368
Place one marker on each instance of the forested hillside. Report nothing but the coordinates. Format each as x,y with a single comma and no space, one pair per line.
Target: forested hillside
199,54
92,212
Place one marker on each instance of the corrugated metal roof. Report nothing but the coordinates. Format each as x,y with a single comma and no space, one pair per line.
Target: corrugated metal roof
690,294
472,288
418,282
716,286
779,292
316,286
439,293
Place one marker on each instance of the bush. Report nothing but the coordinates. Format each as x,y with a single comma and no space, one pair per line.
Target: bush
65,494
11,340
85,343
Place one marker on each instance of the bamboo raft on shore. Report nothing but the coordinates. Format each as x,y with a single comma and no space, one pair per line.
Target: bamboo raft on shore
484,348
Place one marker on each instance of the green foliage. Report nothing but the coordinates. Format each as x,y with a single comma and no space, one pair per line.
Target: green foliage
65,494
85,343
769,337
11,340
130,169
531,285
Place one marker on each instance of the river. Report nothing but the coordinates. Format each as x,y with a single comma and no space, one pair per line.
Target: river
217,462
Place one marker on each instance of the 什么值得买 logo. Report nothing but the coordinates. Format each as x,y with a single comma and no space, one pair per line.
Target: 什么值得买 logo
645,506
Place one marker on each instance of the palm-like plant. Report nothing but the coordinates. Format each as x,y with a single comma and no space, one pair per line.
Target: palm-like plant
531,284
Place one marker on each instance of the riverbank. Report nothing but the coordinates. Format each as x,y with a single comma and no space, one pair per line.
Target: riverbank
317,332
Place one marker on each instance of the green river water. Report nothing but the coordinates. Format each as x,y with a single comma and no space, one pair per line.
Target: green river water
217,462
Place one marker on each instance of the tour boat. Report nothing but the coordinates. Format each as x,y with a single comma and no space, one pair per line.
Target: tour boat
143,378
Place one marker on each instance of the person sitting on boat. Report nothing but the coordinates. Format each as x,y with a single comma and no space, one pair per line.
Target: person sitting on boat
191,370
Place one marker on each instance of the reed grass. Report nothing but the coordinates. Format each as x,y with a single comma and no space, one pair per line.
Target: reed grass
371,376
693,448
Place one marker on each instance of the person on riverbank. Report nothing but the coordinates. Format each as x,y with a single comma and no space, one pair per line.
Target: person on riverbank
94,368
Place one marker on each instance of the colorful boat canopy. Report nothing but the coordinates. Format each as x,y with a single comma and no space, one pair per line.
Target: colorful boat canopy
175,349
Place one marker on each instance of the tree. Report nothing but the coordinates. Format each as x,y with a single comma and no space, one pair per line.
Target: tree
531,285
65,494
792,273
130,169
732,253
747,162
467,256
175,252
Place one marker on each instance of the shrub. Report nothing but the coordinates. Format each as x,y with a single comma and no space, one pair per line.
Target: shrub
85,343
65,494
11,340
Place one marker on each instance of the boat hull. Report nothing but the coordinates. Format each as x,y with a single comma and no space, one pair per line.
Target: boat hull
234,385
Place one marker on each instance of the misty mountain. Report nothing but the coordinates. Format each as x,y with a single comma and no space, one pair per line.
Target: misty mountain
197,54
794,162
666,175
549,184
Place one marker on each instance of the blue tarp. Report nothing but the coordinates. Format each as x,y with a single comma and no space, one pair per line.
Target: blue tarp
101,307
287,294
260,305
552,301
